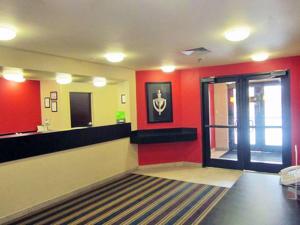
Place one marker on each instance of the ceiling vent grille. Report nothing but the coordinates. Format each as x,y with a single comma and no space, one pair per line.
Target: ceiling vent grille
200,51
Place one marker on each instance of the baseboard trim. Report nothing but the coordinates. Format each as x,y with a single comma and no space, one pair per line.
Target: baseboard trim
167,165
29,211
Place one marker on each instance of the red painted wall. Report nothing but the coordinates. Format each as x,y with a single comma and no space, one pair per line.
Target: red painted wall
187,105
20,106
159,153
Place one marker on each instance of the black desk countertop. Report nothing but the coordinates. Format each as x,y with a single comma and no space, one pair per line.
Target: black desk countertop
20,146
256,199
164,135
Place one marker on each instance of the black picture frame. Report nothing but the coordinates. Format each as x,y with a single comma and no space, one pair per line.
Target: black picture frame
47,102
165,89
123,99
53,106
53,95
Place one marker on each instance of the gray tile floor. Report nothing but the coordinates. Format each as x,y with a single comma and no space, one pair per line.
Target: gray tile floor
256,156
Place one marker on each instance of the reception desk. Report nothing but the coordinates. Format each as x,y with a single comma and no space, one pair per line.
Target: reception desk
19,146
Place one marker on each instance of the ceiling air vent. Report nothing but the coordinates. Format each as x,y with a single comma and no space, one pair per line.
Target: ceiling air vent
200,51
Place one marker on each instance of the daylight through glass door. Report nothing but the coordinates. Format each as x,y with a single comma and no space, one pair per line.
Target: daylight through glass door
265,120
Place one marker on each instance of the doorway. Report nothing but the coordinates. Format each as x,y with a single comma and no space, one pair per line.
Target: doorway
246,121
80,106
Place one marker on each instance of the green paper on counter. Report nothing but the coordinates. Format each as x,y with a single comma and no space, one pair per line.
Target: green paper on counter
120,115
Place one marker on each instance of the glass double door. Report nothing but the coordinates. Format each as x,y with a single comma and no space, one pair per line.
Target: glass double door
246,122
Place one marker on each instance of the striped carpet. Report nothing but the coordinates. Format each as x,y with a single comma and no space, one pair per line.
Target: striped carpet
134,199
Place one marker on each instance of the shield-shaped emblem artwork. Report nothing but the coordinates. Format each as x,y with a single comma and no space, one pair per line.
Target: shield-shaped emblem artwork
159,103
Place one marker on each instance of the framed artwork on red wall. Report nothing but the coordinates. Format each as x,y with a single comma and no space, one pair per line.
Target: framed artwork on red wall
159,102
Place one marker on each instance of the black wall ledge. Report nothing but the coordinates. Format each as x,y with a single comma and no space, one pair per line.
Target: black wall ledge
19,147
163,135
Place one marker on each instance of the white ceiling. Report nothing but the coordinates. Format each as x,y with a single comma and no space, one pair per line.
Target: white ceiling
153,32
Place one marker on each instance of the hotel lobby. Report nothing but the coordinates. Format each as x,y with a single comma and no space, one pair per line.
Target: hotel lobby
150,112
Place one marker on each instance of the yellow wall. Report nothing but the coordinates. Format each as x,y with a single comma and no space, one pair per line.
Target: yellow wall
123,88
31,181
56,120
36,61
105,103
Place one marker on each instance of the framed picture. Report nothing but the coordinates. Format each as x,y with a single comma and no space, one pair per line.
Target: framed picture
53,95
47,102
53,106
123,98
159,102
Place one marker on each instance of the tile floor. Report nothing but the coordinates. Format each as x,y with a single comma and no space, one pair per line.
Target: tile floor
209,175
217,154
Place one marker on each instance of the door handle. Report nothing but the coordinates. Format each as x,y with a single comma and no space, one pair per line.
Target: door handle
237,124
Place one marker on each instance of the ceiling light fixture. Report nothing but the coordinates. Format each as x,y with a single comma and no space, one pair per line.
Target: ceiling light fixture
13,74
7,33
114,57
261,56
168,68
188,52
237,34
99,81
63,78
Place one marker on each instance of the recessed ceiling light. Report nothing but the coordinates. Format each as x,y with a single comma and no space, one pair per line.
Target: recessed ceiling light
237,34
63,78
13,74
261,56
7,33
114,57
168,68
99,81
